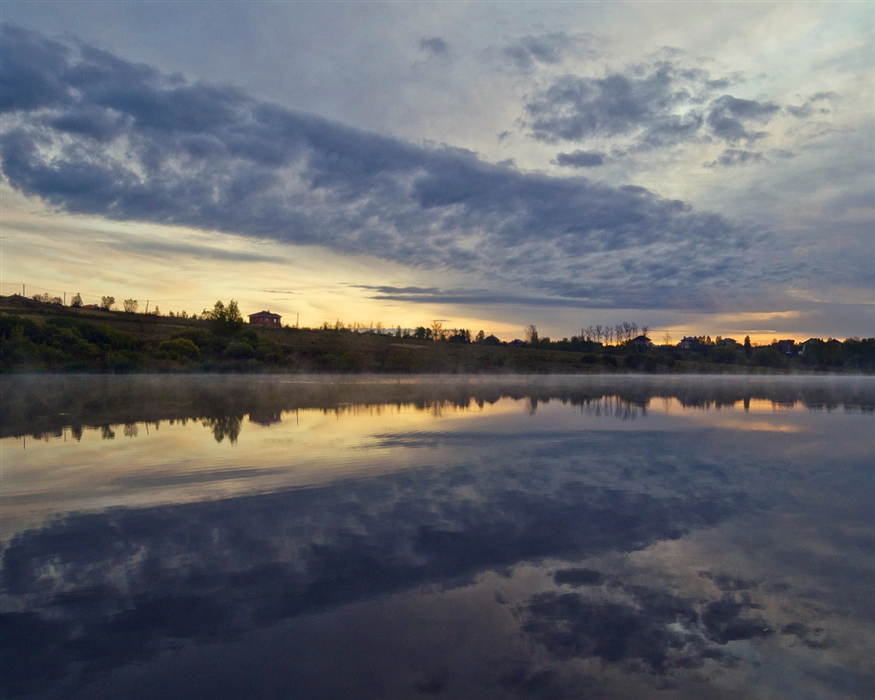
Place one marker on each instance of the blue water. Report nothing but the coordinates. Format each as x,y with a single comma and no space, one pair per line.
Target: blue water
438,537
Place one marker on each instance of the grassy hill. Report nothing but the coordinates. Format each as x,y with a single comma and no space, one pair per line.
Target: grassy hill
40,337
47,337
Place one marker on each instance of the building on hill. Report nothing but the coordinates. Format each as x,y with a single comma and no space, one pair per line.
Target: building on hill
787,347
689,343
831,343
643,342
265,318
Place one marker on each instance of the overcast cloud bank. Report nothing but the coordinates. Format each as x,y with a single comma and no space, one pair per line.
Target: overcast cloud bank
95,134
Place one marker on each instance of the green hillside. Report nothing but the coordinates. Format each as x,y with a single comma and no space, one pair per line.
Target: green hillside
40,337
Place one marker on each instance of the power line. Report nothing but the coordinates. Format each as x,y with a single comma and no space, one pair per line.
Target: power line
89,293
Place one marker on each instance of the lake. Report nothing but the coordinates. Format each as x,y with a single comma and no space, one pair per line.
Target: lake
447,537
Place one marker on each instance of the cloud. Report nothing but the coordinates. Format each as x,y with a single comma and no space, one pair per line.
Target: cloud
91,133
434,46
735,156
526,52
729,115
812,106
386,290
580,159
469,296
657,98
654,105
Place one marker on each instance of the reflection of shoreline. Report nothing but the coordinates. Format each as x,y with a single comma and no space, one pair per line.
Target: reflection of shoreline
47,405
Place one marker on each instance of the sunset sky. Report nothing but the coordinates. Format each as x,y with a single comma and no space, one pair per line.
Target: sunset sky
697,167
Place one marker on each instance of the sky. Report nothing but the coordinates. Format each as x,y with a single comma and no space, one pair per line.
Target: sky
695,167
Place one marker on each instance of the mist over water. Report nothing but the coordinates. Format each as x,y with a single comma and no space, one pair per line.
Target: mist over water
519,537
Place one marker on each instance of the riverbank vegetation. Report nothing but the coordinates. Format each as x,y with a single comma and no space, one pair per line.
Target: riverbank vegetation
43,337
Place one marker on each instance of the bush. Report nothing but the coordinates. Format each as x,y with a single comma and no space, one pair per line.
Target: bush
237,350
722,355
768,357
198,336
179,349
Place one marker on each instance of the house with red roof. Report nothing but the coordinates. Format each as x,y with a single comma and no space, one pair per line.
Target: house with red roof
265,318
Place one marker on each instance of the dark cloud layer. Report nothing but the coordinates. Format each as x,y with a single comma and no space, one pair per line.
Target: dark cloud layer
581,159
94,134
658,105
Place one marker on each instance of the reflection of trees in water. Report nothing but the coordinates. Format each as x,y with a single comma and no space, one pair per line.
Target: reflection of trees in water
436,407
106,432
613,407
131,430
266,418
31,408
224,426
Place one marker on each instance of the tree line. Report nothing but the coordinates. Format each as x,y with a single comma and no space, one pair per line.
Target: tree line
606,343
612,335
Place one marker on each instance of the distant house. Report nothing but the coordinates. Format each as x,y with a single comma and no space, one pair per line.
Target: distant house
91,306
265,318
813,342
787,347
689,343
643,342
728,342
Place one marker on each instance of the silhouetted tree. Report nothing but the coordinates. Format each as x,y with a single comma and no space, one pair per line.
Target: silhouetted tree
107,303
225,320
224,426
131,306
76,301
47,298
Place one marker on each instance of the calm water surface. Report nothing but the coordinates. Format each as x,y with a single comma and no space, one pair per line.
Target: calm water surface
218,537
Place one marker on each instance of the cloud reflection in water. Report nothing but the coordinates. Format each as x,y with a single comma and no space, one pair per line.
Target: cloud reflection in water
541,516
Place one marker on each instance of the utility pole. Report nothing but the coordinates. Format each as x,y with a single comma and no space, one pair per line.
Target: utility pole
147,306
65,303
